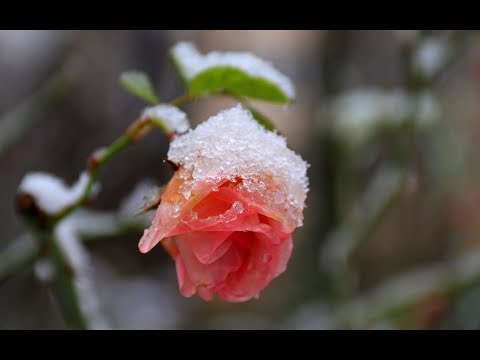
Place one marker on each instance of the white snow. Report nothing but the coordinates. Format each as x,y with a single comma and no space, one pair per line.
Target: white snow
430,56
428,109
44,270
51,194
193,63
232,144
358,112
172,116
67,236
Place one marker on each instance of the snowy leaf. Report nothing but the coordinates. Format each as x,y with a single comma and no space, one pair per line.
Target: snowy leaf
238,73
169,116
138,84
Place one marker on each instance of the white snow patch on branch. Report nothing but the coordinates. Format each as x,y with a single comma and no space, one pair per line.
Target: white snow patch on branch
193,63
357,113
67,235
172,116
51,194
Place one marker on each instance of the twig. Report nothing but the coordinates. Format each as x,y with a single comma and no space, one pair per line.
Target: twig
76,287
58,234
73,284
137,130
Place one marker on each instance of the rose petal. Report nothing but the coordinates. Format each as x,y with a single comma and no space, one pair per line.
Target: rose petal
170,246
244,222
283,257
186,286
203,275
211,206
204,293
233,192
209,246
174,208
228,213
264,262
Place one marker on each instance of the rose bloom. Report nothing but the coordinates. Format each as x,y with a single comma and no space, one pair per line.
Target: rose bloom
228,214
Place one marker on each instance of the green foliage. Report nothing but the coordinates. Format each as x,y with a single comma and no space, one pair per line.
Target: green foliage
237,82
139,84
262,119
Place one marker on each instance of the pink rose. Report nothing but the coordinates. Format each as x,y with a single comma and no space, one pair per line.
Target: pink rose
227,215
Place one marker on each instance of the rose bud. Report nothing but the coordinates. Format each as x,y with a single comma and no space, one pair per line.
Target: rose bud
228,214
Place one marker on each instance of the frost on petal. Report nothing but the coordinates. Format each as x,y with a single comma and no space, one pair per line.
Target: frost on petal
51,194
192,63
172,116
231,146
174,208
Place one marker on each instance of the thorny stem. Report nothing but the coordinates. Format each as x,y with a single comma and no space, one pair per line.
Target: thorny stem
64,287
95,164
136,130
67,278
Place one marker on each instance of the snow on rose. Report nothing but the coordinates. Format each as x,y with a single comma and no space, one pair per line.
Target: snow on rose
228,214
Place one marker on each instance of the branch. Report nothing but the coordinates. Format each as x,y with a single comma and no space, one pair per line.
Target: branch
60,233
73,282
75,286
67,257
138,129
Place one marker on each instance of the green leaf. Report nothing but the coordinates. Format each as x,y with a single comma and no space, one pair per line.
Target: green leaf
138,83
262,119
235,81
233,73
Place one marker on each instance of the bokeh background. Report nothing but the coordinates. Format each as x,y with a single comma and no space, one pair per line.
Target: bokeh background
388,120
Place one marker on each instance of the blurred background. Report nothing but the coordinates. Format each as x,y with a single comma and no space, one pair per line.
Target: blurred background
388,120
